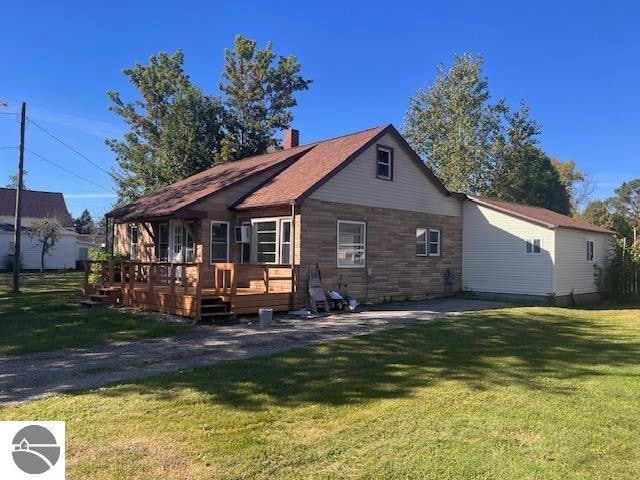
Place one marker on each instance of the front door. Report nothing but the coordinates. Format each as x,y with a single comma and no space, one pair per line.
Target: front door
177,243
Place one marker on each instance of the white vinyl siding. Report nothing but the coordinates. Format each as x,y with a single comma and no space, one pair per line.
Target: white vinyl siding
573,270
494,258
62,255
410,190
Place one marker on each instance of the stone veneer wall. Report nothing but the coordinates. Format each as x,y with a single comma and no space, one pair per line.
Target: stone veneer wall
398,273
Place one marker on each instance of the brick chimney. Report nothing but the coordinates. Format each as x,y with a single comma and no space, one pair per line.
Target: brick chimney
291,138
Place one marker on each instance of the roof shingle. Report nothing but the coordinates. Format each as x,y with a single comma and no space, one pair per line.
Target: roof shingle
36,204
541,216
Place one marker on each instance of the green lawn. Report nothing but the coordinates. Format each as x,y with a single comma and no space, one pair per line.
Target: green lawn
47,315
510,394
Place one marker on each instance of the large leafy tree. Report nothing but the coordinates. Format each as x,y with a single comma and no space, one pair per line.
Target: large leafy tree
455,128
258,89
627,201
603,214
575,181
175,129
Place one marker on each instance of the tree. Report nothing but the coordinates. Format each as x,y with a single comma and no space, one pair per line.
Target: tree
84,223
13,181
175,129
627,201
603,214
258,97
47,232
455,128
575,181
525,175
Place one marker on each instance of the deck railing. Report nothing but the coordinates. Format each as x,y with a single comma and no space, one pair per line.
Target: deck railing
127,273
255,278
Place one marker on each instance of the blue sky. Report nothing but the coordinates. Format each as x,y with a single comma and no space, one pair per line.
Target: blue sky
575,64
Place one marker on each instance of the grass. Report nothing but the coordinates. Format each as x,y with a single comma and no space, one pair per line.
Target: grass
516,393
46,315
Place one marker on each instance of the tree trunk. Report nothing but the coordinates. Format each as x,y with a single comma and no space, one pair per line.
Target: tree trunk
42,253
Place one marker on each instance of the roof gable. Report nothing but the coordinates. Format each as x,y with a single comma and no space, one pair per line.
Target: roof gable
317,166
36,204
541,216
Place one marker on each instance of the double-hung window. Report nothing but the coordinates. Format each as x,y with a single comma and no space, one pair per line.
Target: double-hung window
351,244
219,242
590,245
266,241
533,246
385,163
428,242
133,247
163,242
285,241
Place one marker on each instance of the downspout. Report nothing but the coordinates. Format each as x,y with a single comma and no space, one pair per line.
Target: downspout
293,254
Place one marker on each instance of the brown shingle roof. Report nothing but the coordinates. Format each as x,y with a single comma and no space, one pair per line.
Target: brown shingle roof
541,216
36,204
172,198
316,166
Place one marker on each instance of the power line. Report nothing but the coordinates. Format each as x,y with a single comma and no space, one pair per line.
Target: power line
69,146
5,148
68,171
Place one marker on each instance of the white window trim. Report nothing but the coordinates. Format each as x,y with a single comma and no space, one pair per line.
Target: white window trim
531,241
364,243
214,222
425,243
280,242
133,226
593,250
389,163
429,242
254,239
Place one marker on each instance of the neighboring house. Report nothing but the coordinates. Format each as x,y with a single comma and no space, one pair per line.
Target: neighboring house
85,242
37,205
362,208
518,251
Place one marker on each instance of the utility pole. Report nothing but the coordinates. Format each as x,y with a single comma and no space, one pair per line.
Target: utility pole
18,219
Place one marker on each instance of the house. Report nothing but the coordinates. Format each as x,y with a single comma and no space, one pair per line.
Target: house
35,206
362,209
515,251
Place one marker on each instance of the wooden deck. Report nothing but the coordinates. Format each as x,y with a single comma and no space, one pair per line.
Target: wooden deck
184,289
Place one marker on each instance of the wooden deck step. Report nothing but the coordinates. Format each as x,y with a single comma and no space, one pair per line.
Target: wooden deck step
214,314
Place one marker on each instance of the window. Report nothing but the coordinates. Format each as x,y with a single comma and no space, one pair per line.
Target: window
427,242
190,245
351,244
385,163
219,242
590,245
133,248
285,241
163,242
178,236
266,245
245,248
434,243
533,246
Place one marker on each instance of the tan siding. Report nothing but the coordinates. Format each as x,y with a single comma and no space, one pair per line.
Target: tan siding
398,273
493,254
573,272
410,189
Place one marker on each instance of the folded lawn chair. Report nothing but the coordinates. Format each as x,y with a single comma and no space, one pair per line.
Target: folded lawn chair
317,297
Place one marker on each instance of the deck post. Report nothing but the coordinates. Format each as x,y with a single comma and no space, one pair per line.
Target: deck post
172,279
266,278
199,276
111,272
151,275
122,274
183,282
132,274
234,280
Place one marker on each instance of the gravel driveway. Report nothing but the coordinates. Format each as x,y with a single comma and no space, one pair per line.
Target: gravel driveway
35,375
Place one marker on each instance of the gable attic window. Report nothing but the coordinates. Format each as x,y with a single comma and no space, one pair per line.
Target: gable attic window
533,246
385,163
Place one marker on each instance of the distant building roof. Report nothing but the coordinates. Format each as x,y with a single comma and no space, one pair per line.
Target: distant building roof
36,204
541,216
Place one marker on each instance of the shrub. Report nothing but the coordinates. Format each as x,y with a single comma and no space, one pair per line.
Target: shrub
8,262
98,254
620,280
